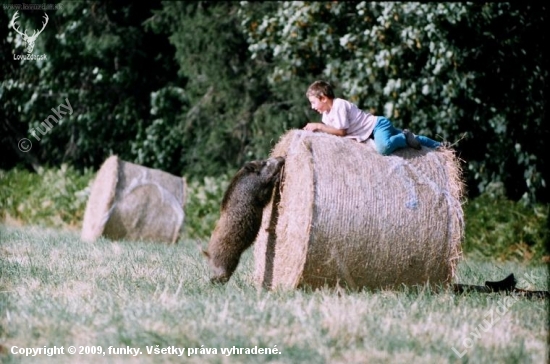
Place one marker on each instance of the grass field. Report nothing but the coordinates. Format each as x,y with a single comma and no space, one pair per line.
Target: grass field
57,291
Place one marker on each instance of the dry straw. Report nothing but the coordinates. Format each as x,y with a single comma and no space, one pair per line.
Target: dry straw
132,202
345,215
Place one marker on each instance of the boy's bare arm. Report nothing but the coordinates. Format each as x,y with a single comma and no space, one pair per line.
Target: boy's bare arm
325,129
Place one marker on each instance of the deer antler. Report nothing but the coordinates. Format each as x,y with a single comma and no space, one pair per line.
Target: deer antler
43,26
15,16
35,34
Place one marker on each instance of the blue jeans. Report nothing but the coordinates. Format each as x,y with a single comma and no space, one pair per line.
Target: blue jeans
388,138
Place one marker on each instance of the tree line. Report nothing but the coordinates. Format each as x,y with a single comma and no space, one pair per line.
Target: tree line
198,88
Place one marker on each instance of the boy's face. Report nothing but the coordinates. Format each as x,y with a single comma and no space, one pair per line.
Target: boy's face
319,104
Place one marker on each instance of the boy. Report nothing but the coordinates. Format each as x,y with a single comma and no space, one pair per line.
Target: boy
343,118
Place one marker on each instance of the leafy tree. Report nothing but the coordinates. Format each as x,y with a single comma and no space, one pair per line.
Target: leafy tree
100,59
198,88
227,116
464,72
15,89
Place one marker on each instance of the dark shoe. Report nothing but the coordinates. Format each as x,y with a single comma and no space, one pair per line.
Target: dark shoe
411,140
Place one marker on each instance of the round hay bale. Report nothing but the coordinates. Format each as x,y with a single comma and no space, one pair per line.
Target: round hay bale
133,202
345,215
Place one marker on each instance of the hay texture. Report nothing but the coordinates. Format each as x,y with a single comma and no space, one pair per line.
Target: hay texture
132,202
345,215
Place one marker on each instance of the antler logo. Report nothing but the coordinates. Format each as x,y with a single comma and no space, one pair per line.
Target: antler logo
26,38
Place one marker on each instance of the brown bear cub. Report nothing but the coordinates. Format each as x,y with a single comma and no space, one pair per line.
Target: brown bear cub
241,215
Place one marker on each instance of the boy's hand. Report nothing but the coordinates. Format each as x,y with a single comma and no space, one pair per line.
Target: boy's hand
325,129
313,126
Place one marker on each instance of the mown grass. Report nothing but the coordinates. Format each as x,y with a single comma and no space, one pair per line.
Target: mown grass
58,291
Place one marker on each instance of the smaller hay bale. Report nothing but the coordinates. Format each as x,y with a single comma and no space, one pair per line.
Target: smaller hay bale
345,215
132,202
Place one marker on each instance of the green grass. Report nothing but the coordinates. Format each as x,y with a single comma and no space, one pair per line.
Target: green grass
53,197
506,230
56,290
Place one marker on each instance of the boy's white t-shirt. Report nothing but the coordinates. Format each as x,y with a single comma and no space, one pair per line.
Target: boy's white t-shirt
346,115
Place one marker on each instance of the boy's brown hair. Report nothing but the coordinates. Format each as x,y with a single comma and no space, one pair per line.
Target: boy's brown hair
320,88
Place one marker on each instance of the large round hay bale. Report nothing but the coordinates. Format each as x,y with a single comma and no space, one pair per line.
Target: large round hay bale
345,215
132,202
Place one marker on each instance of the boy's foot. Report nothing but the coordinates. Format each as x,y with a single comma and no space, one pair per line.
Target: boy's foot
411,140
444,145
